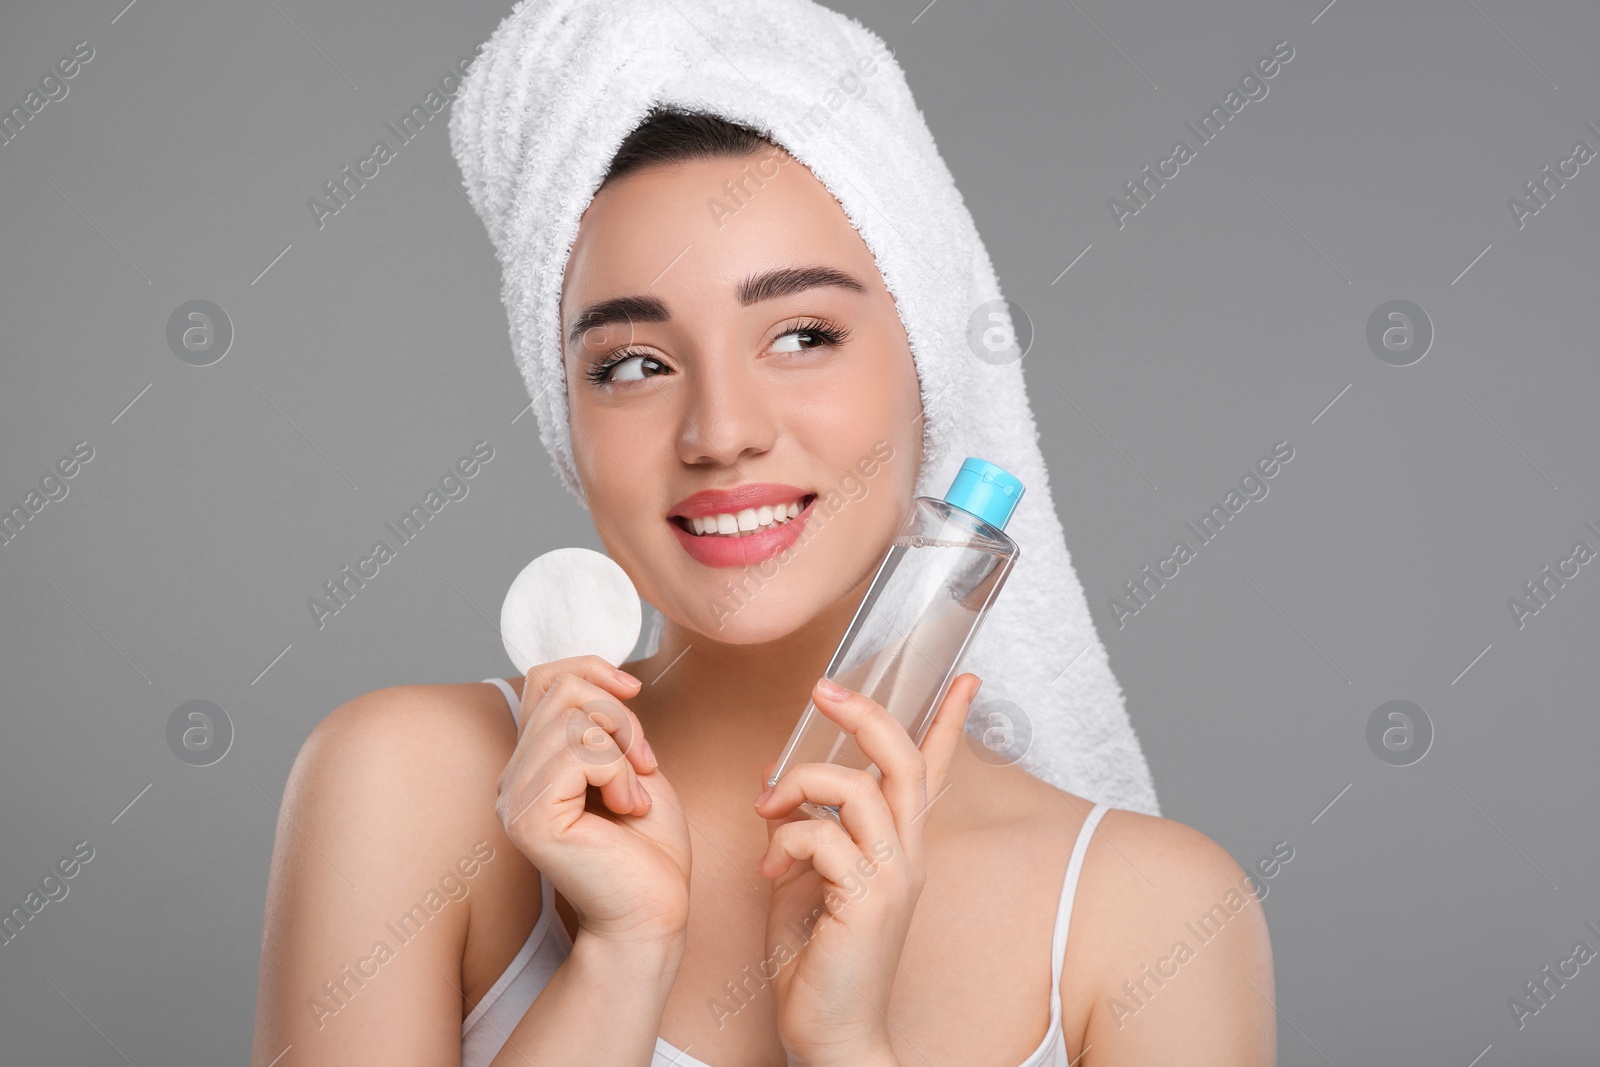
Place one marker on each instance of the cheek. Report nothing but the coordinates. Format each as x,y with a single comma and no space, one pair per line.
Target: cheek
875,396
606,453
866,435
839,425
877,414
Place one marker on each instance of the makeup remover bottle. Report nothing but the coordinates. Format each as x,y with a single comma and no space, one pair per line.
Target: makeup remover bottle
932,591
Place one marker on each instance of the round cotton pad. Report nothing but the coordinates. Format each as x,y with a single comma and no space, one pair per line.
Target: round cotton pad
570,602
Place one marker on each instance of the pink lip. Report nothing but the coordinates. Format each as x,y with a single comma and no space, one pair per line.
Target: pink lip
715,551
732,501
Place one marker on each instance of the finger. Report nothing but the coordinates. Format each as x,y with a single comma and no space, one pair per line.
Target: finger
625,729
830,852
592,669
864,814
556,775
884,741
568,690
595,732
590,743
577,717
946,731
766,781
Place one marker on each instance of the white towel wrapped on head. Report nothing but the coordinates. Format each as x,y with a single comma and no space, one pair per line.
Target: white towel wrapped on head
534,128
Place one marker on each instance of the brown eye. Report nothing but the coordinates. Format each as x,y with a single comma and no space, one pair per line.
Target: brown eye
602,374
782,344
819,334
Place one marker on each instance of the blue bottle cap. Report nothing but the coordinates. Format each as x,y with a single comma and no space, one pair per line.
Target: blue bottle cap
987,491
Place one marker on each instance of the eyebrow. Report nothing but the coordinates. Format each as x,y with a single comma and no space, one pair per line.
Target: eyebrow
763,285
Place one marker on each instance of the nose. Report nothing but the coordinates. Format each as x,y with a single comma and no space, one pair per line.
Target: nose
724,416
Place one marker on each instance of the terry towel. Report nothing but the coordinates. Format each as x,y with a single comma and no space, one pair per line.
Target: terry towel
534,127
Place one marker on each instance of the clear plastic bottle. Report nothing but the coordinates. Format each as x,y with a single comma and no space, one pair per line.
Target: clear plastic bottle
932,591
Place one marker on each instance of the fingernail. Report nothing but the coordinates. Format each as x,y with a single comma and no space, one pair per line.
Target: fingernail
767,793
641,793
831,689
977,687
624,677
650,754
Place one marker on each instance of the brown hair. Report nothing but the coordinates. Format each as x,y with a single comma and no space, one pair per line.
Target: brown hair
674,135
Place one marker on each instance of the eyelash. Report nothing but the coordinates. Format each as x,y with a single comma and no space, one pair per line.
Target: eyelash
826,332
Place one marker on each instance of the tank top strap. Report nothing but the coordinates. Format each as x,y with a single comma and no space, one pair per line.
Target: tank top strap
1069,889
511,697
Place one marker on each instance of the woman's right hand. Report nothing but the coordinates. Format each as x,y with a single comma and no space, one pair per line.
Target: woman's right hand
584,801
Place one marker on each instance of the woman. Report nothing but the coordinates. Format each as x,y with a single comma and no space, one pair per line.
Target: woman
565,868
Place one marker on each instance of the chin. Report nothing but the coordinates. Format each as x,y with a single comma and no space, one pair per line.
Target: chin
754,625
739,607
739,610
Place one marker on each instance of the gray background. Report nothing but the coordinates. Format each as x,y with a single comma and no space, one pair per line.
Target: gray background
1229,314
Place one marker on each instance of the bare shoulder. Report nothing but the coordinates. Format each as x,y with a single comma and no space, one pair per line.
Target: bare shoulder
440,737
385,826
1169,953
414,771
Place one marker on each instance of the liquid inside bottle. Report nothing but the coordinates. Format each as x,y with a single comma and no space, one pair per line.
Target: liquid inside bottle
904,646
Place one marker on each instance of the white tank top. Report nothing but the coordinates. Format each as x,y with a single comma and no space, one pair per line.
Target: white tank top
484,1031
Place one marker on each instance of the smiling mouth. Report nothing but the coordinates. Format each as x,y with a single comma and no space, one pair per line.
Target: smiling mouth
744,523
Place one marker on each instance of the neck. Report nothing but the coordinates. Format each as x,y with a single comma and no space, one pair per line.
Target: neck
716,713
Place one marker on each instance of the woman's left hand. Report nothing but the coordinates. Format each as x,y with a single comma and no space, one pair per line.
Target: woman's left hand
843,896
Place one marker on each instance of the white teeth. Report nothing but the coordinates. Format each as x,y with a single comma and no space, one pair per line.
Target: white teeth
746,521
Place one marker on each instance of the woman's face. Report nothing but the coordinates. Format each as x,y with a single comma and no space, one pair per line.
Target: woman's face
731,348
